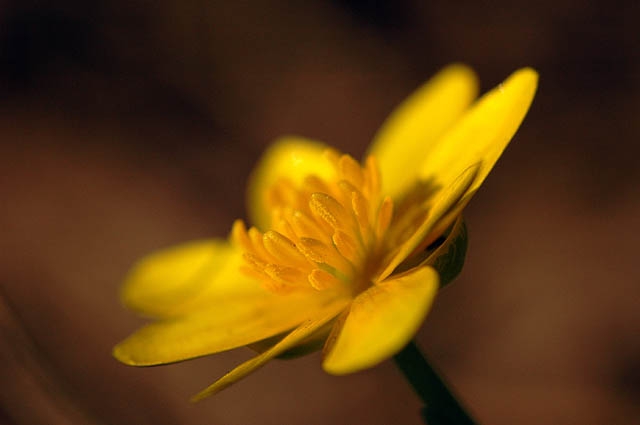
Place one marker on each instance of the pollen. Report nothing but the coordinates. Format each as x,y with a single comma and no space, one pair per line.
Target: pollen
326,233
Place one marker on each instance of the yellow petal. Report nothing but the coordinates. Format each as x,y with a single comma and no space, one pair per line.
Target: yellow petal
381,321
307,328
483,132
410,133
218,328
168,282
311,343
290,157
442,213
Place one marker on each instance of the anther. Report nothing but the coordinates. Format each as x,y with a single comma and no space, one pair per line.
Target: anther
285,274
282,249
351,170
305,226
346,246
321,280
321,253
328,209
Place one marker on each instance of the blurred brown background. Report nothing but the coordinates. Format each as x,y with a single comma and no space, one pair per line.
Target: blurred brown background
126,126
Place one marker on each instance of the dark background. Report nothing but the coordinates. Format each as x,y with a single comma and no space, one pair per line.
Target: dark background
126,126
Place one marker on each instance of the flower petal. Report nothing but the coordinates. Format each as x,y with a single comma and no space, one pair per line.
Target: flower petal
218,328
484,131
381,321
446,254
291,157
311,343
168,282
442,211
464,157
307,328
409,134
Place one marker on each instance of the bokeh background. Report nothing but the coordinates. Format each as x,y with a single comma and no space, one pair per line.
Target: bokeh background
127,126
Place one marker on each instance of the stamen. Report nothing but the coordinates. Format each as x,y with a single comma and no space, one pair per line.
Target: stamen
283,225
351,170
239,235
305,226
314,184
361,211
321,280
372,181
328,209
315,250
321,253
254,261
347,246
326,233
384,217
285,274
282,249
257,244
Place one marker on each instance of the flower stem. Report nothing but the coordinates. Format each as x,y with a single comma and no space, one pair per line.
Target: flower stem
441,407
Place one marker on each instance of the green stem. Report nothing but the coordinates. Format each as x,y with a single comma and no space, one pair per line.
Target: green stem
441,407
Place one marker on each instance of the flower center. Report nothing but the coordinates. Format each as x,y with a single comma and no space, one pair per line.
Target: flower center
325,233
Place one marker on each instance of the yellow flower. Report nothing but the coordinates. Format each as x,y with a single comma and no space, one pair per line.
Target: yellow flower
344,256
